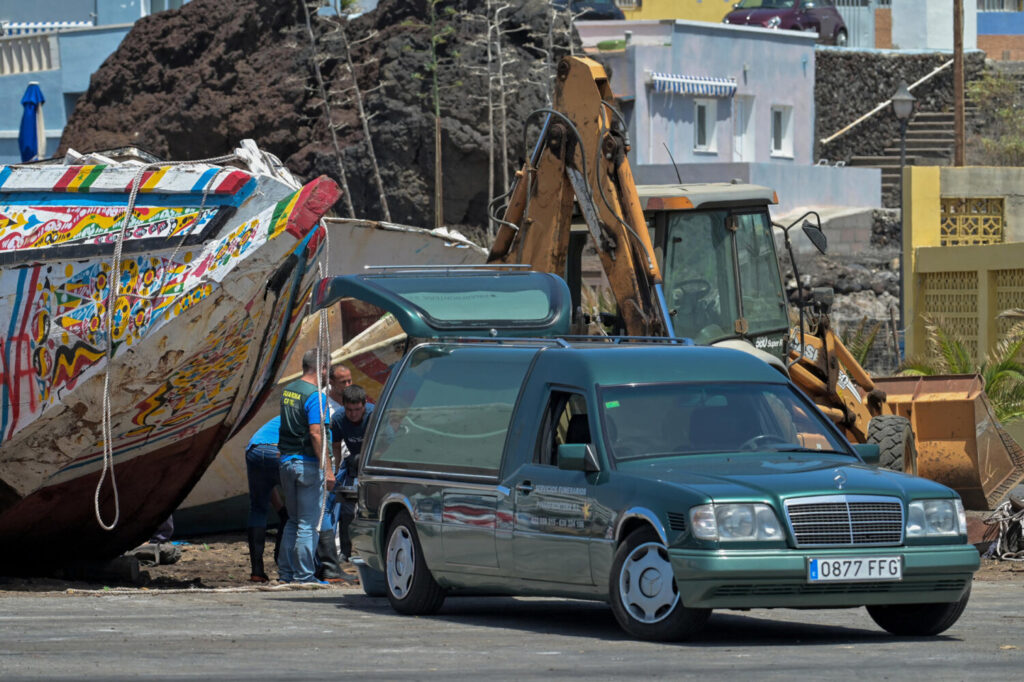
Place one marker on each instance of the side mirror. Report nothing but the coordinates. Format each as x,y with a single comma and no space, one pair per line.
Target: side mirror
816,236
868,452
577,457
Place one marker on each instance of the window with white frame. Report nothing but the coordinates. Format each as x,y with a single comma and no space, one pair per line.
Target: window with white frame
782,131
704,115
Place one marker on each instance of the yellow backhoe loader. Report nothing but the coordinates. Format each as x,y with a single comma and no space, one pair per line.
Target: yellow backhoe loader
698,262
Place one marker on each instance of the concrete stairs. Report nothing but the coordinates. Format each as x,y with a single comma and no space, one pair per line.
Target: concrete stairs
930,137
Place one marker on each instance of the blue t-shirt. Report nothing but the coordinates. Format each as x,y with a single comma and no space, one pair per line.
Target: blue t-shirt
349,431
267,434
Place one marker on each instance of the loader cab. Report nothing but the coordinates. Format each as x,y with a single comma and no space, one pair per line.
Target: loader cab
717,255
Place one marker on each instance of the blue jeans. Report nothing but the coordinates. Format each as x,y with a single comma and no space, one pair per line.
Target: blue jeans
303,485
263,469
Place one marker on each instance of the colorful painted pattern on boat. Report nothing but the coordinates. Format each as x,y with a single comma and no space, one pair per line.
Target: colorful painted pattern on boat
40,226
57,335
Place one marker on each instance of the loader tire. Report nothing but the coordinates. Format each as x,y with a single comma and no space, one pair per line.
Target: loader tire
895,440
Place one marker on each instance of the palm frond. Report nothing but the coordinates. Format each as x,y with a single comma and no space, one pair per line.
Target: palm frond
862,340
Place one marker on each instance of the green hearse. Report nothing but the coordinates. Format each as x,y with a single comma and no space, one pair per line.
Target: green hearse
507,458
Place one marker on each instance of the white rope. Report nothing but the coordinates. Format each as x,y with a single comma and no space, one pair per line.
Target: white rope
197,590
323,341
114,284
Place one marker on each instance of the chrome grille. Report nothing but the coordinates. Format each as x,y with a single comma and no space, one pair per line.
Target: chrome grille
843,520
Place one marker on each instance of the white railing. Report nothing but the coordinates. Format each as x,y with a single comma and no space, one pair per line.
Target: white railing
885,104
25,54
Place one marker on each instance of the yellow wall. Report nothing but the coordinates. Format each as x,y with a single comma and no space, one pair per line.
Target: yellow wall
963,288
694,10
921,211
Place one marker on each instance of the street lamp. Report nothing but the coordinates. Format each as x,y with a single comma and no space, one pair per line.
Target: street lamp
902,107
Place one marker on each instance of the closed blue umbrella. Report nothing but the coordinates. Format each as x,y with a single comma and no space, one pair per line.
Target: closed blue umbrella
32,134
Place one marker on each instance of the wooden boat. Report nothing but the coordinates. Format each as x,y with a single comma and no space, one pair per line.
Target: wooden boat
208,279
220,501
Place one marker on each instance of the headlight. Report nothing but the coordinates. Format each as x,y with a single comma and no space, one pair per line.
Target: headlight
936,518
773,22
735,522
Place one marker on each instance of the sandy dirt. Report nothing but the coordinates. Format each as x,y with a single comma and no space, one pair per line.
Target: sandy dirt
213,561
218,561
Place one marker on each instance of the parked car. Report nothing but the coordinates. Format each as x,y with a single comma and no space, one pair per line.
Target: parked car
589,10
820,16
667,480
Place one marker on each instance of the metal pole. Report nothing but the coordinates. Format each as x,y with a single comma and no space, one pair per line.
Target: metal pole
903,163
958,81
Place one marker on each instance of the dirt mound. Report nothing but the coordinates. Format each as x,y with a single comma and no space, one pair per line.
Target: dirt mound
191,83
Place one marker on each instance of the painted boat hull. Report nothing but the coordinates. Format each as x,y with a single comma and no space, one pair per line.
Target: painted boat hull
220,500
214,271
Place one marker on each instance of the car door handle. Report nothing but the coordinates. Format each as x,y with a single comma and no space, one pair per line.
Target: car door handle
525,487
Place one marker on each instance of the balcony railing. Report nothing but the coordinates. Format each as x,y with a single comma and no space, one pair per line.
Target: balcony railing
25,54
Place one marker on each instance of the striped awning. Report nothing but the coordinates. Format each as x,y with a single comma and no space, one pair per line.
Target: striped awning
21,28
693,85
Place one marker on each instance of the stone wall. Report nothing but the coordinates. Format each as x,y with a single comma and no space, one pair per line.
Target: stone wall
849,83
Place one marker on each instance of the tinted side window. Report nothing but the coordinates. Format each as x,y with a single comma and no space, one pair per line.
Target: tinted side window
450,410
565,421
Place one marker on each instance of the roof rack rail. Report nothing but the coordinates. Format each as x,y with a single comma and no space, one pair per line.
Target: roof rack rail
465,267
684,341
567,341
508,340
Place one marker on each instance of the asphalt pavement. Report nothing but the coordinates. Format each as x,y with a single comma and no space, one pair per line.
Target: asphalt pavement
339,633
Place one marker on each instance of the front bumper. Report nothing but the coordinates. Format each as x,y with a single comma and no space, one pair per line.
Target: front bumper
778,577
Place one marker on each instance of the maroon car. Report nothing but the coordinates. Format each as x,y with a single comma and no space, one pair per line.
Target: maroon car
820,16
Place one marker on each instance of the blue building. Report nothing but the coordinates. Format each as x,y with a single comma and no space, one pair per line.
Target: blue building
722,102
58,44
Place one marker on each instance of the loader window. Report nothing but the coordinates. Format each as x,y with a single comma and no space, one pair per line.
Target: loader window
701,277
764,303
699,284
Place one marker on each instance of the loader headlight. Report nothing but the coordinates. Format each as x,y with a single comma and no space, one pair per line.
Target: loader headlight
735,522
936,518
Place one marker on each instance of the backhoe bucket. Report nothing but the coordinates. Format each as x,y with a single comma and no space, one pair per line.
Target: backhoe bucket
960,443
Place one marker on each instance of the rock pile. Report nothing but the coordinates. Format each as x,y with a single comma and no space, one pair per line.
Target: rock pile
189,84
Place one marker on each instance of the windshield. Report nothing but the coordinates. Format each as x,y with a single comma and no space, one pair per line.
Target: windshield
701,282
657,420
766,4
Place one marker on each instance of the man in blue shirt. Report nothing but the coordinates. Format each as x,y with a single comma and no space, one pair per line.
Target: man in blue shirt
348,428
303,417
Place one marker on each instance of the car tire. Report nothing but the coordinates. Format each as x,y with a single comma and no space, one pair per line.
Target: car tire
411,588
643,591
842,39
919,620
894,436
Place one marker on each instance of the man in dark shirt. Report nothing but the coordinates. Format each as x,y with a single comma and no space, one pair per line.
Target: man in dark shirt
303,415
348,428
